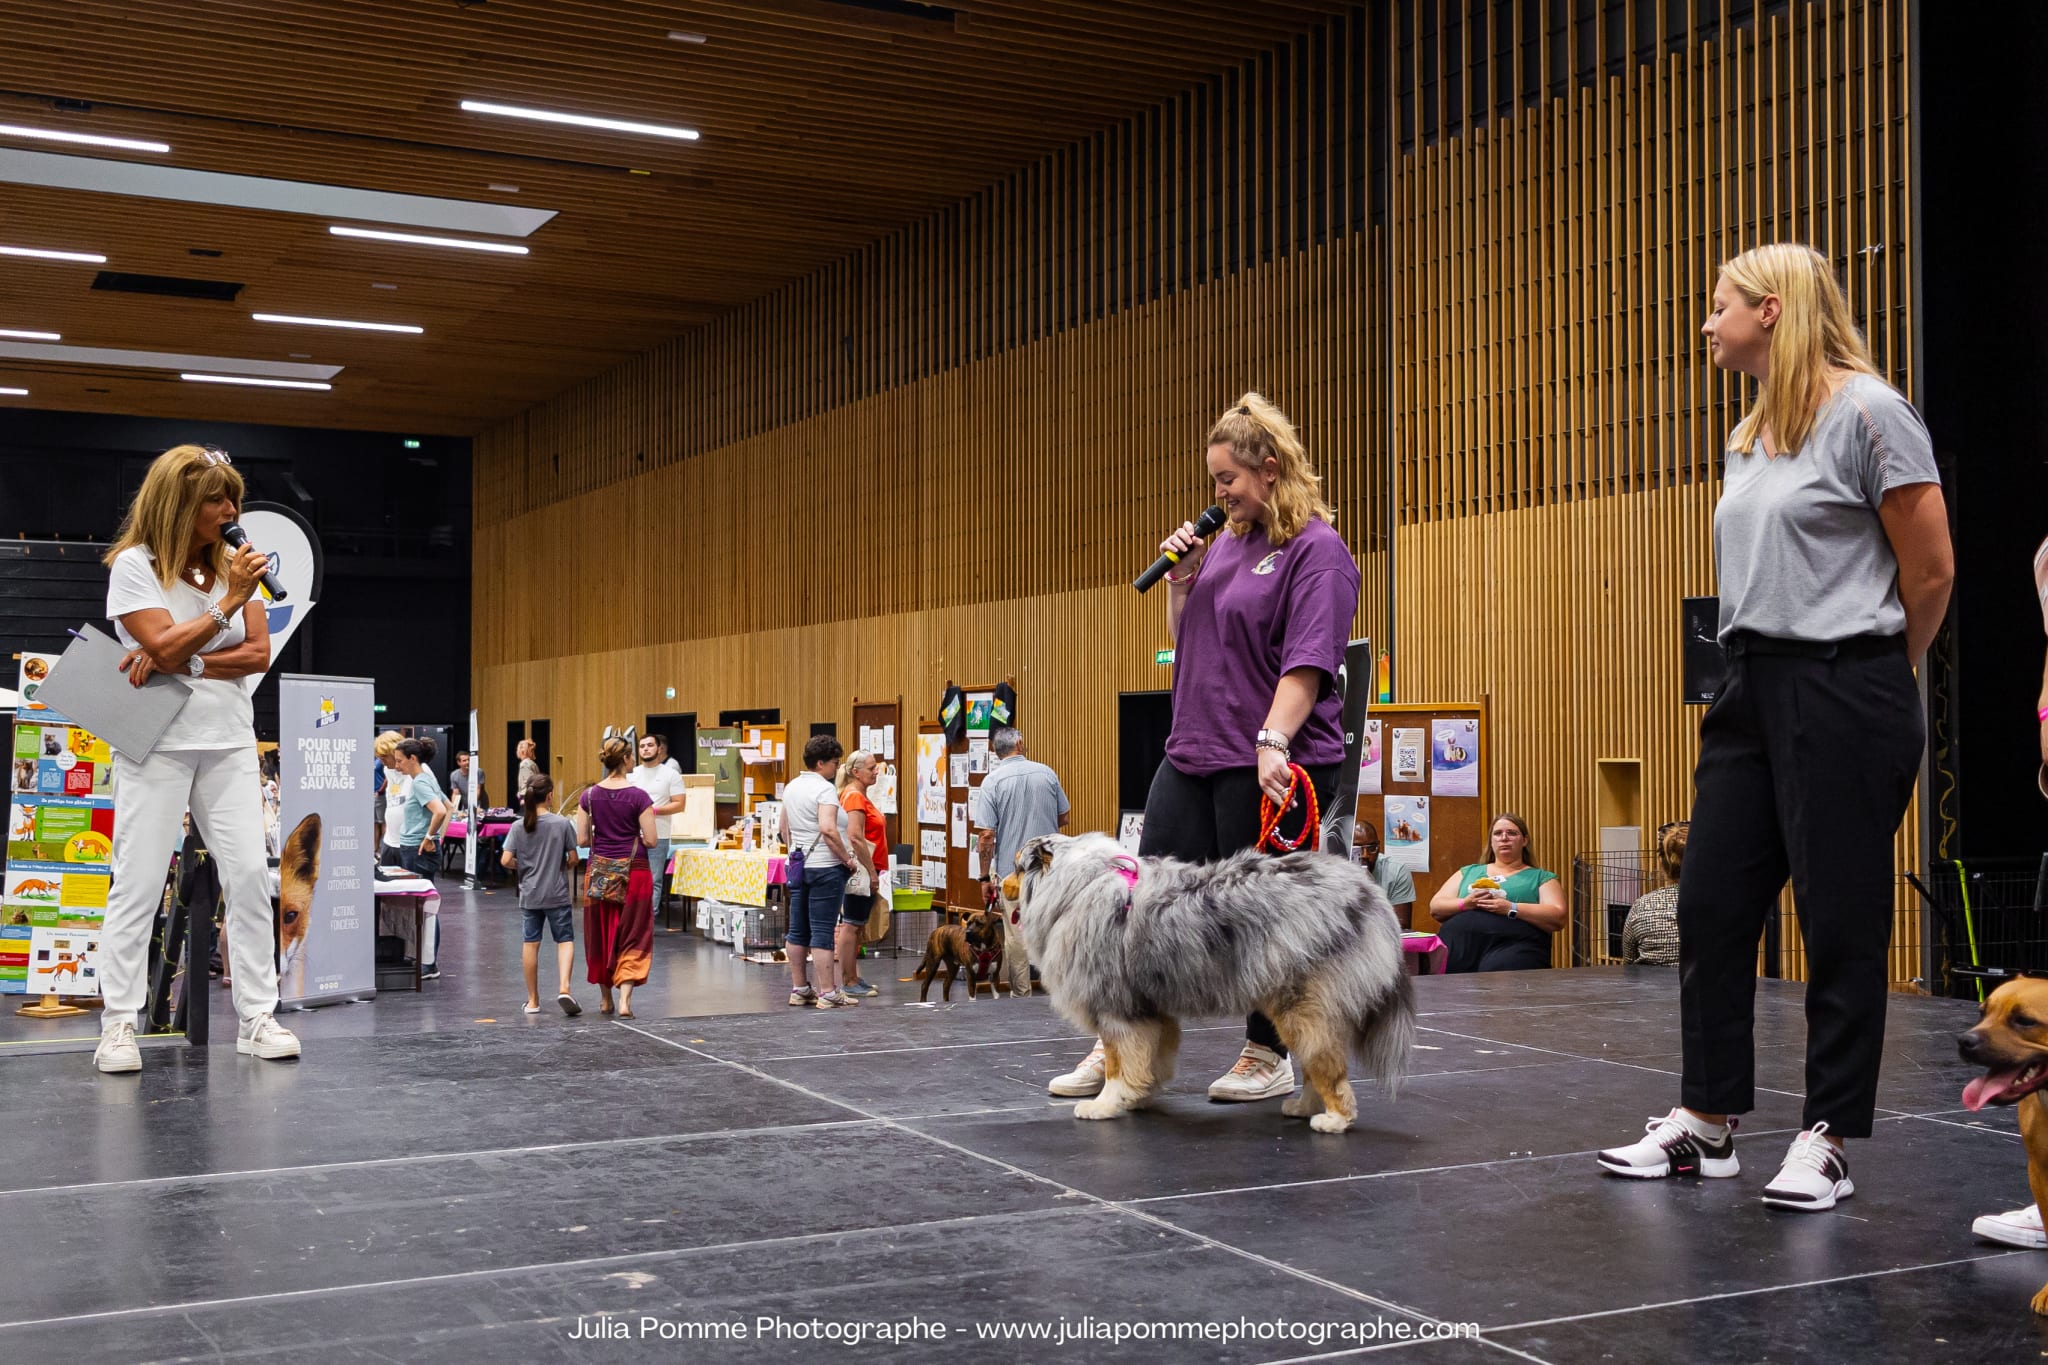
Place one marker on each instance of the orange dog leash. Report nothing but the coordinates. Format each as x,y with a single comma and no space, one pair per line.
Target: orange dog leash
1270,814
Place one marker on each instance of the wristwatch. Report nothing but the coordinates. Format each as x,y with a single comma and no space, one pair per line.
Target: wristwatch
1511,911
1272,739
196,666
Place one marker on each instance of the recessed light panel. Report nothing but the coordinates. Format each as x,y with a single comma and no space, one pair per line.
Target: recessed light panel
253,381
614,125
127,144
82,257
340,322
29,336
419,239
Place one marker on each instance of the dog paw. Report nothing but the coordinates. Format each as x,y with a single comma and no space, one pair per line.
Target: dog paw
1098,1109
1302,1104
1329,1123
2041,1302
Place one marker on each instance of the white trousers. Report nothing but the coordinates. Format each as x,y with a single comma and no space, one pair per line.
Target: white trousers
221,789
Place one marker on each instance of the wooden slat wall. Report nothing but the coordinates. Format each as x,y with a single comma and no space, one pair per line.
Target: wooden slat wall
1466,245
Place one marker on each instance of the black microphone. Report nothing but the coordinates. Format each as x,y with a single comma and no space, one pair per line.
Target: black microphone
1206,525
234,535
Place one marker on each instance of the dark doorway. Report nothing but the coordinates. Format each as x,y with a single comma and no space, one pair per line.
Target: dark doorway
537,731
766,715
679,728
515,732
825,727
1143,721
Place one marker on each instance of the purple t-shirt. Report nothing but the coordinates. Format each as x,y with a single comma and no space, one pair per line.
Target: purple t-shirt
615,820
1253,614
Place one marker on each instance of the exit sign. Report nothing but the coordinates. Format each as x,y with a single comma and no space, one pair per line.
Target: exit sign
1164,656
377,708
412,444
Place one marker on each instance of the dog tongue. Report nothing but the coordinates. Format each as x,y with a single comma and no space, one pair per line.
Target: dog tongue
1985,1089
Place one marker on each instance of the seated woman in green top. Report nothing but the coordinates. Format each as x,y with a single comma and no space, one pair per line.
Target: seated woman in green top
1503,929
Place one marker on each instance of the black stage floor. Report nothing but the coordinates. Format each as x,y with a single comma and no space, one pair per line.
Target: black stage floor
498,1194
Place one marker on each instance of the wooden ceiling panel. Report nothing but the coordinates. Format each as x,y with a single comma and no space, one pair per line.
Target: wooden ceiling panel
826,123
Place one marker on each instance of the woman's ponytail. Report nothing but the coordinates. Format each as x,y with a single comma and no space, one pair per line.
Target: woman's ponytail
537,793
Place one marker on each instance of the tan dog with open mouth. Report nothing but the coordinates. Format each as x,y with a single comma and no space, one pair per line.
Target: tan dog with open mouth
2010,1042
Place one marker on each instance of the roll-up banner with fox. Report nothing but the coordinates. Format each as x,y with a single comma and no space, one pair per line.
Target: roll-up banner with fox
326,876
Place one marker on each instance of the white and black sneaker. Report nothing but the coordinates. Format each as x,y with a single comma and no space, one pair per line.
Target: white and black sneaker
1674,1145
1814,1177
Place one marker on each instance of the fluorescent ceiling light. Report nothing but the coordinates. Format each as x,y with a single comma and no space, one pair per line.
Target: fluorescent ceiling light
88,139
508,248
86,256
340,322
61,171
677,35
247,379
106,358
29,336
580,120
15,393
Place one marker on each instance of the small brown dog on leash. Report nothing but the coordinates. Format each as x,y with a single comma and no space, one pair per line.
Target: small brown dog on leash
975,944
2010,1042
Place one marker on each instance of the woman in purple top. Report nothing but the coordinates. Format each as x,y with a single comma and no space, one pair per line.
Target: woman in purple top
1259,623
615,821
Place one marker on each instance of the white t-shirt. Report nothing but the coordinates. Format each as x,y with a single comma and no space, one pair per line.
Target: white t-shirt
661,786
800,801
397,790
219,715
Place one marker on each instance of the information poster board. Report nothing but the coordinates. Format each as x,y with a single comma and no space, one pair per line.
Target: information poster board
718,753
327,912
60,842
1442,817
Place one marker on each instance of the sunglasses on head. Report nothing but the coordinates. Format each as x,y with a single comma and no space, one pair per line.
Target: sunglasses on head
215,455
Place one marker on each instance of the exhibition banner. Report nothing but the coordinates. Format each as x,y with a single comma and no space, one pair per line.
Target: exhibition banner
327,889
475,812
60,842
295,557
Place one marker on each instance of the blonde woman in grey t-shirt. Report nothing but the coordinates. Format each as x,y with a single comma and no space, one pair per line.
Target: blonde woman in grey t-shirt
1832,548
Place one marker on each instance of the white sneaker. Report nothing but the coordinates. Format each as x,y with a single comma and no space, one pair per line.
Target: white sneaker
263,1036
2017,1228
1813,1177
1260,1074
117,1050
1673,1145
1083,1080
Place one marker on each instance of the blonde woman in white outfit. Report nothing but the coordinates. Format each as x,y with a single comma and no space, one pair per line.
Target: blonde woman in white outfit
183,602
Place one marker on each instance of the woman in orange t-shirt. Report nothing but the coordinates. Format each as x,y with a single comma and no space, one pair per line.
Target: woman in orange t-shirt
867,836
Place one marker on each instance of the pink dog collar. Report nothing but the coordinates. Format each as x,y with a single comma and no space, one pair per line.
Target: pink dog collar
1127,869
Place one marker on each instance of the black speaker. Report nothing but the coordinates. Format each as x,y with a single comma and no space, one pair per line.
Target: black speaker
1706,666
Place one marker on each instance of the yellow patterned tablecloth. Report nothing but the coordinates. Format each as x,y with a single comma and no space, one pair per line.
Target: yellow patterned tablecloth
725,874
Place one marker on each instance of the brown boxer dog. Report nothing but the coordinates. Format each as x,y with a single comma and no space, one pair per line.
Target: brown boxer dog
2011,1043
956,946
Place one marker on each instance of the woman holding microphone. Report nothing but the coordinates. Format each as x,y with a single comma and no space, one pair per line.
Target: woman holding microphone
1259,622
183,602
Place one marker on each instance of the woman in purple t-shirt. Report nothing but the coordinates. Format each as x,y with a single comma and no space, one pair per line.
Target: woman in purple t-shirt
615,821
1259,623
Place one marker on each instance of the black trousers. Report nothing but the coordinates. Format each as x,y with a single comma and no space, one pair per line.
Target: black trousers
1806,766
1202,819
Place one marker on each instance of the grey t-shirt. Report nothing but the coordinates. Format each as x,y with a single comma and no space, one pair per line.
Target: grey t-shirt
1020,799
543,860
1395,881
1798,546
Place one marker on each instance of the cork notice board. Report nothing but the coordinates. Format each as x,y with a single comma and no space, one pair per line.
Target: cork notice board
1456,822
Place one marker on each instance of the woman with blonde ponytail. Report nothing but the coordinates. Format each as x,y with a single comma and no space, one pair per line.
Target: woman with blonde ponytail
1832,547
1259,622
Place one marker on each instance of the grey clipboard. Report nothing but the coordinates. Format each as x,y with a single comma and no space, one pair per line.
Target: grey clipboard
87,686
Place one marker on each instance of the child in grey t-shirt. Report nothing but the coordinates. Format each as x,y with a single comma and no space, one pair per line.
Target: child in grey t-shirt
542,846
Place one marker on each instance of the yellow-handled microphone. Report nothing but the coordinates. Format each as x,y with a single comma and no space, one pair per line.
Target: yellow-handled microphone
1208,524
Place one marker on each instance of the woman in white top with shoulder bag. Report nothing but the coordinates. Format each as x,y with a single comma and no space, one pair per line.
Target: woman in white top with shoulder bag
183,602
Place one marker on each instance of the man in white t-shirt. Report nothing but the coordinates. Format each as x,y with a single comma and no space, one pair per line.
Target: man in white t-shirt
664,787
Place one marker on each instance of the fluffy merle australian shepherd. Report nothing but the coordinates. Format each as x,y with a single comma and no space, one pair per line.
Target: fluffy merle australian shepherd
1130,946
